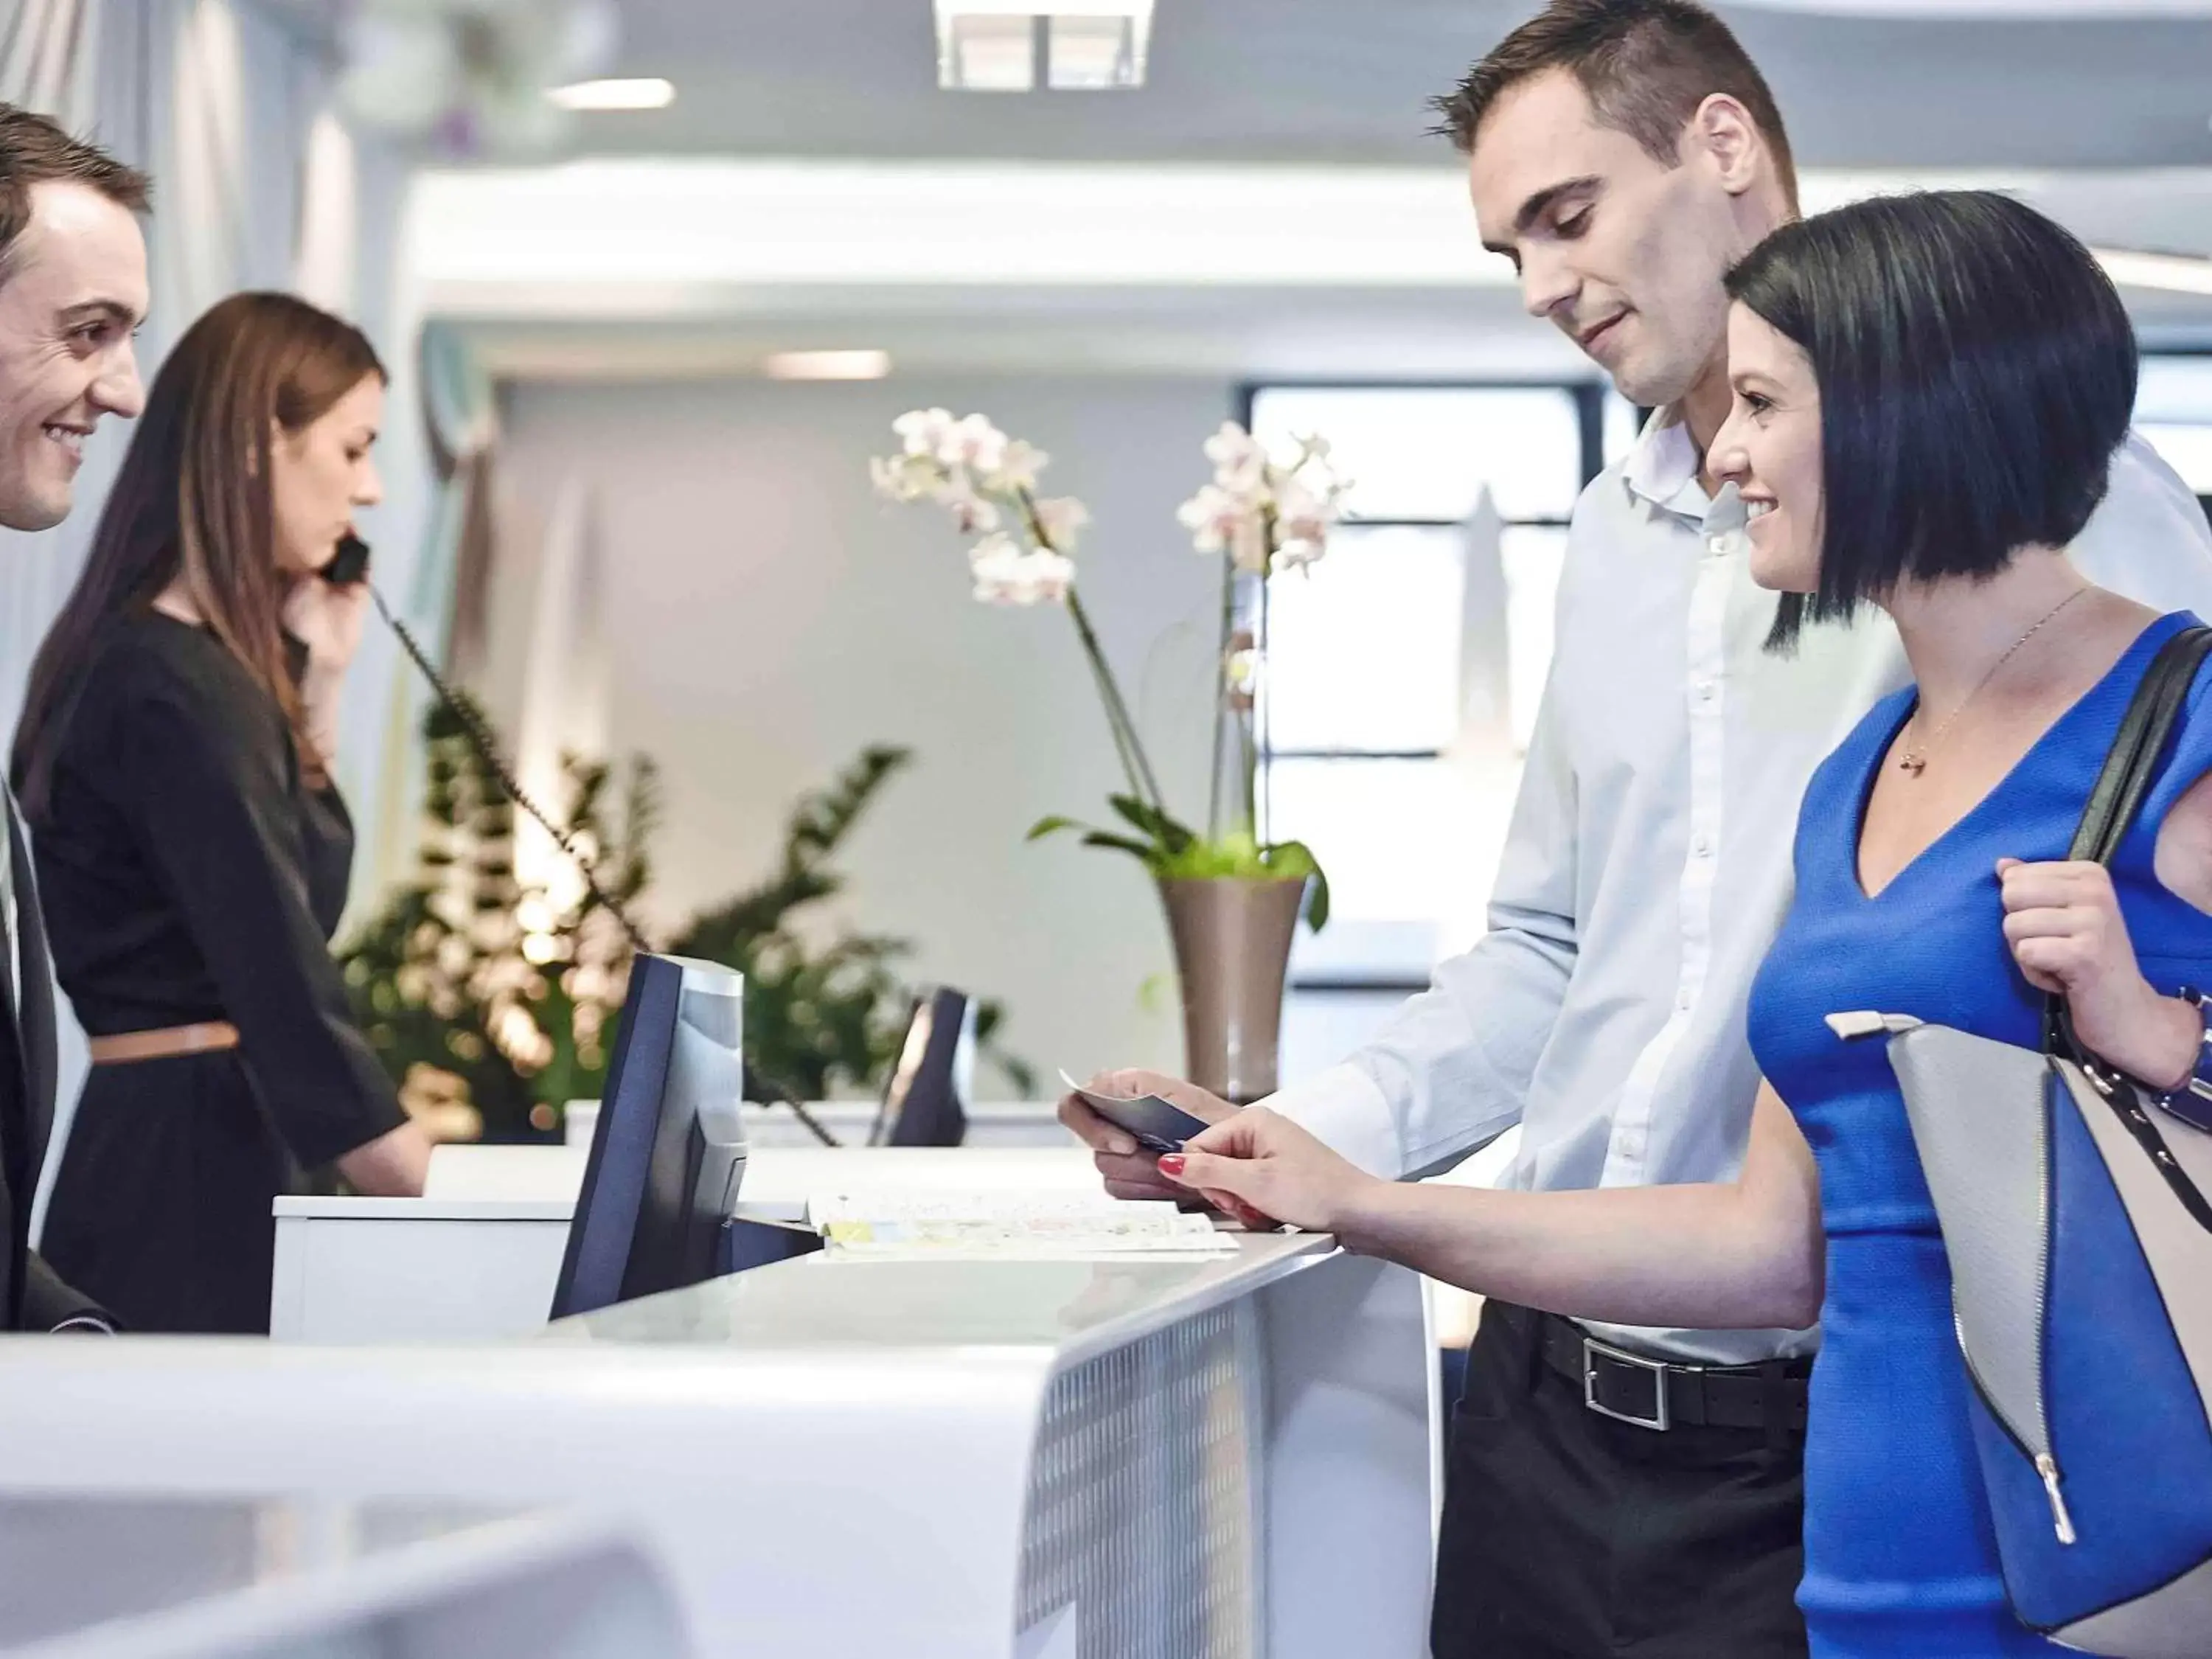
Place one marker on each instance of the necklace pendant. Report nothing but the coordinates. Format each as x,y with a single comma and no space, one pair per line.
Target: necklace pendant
1915,764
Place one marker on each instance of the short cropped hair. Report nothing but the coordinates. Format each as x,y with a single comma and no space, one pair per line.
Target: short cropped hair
35,150
1645,66
1977,371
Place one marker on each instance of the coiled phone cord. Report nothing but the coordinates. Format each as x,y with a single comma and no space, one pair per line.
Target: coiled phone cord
481,737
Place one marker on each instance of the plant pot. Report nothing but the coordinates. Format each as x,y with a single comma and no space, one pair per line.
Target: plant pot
1232,947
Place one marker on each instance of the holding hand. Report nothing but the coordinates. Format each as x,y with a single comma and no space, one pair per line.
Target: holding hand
1131,1171
326,618
1272,1170
2064,923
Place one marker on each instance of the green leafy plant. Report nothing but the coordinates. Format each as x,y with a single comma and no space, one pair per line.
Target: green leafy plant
836,1014
1174,851
467,974
475,988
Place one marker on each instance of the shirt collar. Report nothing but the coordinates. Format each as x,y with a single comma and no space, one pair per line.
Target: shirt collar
1662,467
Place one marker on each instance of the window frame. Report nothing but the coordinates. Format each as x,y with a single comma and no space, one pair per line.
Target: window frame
1590,399
2147,353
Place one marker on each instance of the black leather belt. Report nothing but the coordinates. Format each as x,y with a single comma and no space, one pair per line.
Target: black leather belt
1654,1393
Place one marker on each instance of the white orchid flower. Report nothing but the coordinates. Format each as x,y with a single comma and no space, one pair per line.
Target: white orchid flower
1212,516
1231,444
973,442
1295,502
1302,526
906,478
923,430
1018,467
970,511
1059,519
1200,510
1329,488
1006,574
1240,463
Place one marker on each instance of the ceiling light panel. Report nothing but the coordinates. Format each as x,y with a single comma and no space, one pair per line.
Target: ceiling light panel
985,52
839,365
638,93
1013,45
1094,52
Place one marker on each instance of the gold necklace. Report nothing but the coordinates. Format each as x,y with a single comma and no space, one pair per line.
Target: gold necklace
1914,761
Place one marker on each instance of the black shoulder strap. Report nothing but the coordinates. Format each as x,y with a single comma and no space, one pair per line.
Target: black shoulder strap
2117,796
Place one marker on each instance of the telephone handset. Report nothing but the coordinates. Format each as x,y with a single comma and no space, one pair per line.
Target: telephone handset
351,566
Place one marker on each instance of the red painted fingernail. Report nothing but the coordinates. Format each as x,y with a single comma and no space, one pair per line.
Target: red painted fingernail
1171,1164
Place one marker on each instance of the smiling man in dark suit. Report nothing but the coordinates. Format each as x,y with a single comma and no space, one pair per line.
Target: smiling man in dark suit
72,291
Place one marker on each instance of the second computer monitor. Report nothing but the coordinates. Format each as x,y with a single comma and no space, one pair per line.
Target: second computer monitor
925,1102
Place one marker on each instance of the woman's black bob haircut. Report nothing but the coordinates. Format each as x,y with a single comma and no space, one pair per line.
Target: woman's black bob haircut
1977,371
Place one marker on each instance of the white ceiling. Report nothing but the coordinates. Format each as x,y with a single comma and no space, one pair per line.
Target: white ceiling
1328,81
1325,83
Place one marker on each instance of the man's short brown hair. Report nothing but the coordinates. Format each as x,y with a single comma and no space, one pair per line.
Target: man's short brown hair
1645,65
35,150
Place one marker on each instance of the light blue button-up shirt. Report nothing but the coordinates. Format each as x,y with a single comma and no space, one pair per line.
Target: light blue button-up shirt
1648,864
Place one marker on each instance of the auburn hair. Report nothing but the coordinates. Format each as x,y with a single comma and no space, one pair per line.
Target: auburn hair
194,500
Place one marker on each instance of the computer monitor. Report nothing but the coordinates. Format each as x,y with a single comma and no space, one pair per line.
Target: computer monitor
925,1102
669,1148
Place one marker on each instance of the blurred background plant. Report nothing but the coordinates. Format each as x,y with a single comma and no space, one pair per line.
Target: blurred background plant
492,1004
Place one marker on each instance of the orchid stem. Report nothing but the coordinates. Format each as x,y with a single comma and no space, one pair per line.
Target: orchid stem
1221,711
1138,769
1126,743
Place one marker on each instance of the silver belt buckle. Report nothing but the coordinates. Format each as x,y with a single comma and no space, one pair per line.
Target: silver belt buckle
1591,1348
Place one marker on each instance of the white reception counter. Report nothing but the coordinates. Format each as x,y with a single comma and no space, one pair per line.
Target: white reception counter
476,1257
1196,1456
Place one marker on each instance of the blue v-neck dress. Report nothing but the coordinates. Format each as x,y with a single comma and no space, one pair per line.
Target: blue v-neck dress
1899,1556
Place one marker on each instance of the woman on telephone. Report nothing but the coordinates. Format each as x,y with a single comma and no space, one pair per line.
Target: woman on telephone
175,764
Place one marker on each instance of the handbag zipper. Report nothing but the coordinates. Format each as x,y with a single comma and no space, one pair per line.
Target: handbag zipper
2062,1524
1866,1023
2046,1467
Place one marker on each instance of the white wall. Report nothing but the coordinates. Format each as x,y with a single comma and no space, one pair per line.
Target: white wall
766,616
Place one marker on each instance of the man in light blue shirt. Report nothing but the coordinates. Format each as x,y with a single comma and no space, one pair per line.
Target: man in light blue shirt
1614,1491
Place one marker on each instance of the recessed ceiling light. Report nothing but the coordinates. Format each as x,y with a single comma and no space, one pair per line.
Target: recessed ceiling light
1086,46
638,93
869,365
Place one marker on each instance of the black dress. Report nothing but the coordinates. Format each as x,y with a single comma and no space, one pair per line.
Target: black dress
189,874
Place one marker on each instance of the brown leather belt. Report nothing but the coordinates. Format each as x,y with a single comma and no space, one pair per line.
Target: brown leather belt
208,1036
1653,1394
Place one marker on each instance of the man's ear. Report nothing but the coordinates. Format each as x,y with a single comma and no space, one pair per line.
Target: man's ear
1722,136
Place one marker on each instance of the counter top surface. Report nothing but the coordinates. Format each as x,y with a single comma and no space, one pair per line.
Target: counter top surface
540,1183
1071,1307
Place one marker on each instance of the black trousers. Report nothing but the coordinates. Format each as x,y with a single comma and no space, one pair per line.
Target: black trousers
1568,1535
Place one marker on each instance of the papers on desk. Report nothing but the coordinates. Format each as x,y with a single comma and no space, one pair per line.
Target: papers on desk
1028,1225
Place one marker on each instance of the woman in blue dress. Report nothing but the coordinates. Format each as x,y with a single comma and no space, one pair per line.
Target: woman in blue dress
1927,393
